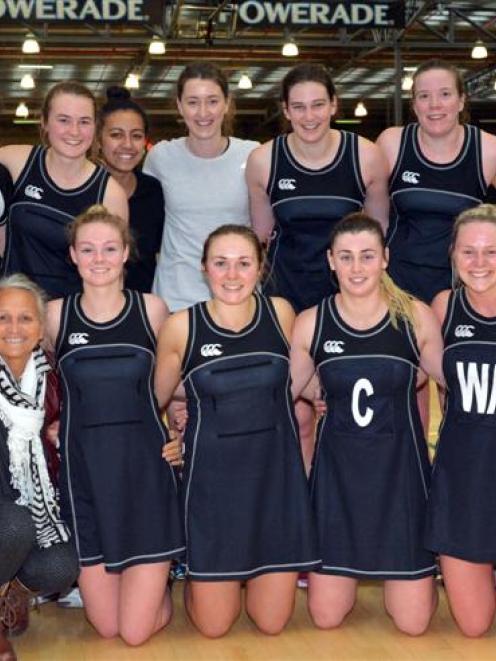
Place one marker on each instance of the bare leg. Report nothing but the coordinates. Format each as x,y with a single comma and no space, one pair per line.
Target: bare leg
330,599
270,600
213,606
411,604
306,423
100,595
471,596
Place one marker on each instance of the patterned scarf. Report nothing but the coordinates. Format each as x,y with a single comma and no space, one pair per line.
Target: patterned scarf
22,413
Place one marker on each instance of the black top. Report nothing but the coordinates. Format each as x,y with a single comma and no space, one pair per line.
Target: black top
146,219
40,211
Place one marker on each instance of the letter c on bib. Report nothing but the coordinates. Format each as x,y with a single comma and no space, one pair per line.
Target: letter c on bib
362,419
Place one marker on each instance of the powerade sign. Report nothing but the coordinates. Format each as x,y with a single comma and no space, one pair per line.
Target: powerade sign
105,11
291,13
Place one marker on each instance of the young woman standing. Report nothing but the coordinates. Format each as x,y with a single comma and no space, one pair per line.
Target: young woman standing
122,133
203,179
52,185
437,167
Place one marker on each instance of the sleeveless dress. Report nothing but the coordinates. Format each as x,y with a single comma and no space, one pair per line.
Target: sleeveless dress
306,205
370,473
426,197
462,502
245,494
40,211
117,492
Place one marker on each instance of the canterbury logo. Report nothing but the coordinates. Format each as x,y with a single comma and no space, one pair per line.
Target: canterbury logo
286,184
333,346
464,331
33,191
410,177
209,350
78,338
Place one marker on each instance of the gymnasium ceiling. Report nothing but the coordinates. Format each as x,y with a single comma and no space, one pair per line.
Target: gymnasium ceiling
366,64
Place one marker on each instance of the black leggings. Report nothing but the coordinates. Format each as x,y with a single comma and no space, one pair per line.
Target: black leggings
49,570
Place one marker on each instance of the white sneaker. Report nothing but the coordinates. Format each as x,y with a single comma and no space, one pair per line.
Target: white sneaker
71,599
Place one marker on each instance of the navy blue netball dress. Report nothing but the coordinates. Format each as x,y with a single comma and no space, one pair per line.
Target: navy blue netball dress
426,198
246,501
370,473
37,242
461,518
306,205
117,492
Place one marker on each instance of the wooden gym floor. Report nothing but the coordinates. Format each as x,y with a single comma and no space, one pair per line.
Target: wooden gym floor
58,634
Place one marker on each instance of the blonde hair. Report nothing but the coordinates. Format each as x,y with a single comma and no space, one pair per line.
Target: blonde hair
484,213
399,302
98,213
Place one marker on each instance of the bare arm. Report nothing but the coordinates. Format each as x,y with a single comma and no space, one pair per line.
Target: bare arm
52,324
429,341
257,179
171,346
285,315
375,177
389,144
14,158
488,148
302,365
157,312
115,199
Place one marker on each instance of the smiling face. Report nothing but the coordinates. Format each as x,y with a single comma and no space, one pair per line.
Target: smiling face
232,268
99,253
310,110
437,101
21,327
70,125
358,260
203,107
122,140
474,256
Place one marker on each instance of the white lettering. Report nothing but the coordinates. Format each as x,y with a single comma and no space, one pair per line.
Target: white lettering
366,12
471,385
60,10
251,12
362,419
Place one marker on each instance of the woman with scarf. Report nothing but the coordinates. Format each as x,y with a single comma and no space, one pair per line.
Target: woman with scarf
35,552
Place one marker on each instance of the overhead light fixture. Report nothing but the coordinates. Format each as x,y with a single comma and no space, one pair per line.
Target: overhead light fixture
495,85
35,66
22,110
407,82
156,46
479,51
27,82
30,46
360,110
290,48
245,82
132,81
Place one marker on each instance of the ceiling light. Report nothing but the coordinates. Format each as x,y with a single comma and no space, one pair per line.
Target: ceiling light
35,66
132,81
479,51
407,83
245,82
30,46
495,85
290,48
27,82
361,110
156,46
22,110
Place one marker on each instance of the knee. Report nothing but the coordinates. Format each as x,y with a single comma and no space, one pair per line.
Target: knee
135,636
105,629
214,628
16,526
325,617
412,626
271,627
475,627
